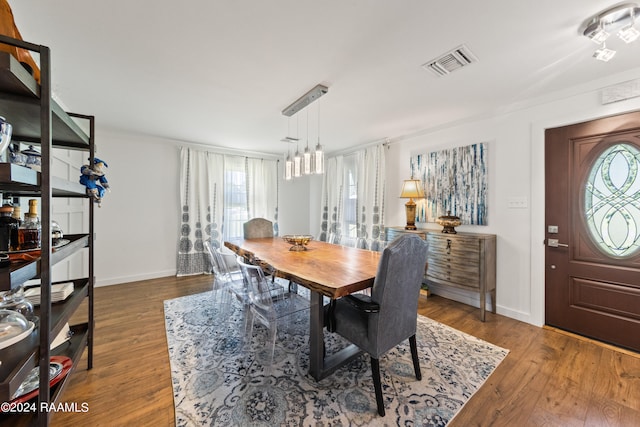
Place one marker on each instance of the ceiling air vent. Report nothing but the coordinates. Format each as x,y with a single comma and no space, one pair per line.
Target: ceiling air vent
451,61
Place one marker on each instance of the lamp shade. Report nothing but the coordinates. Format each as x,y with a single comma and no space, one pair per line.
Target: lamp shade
412,188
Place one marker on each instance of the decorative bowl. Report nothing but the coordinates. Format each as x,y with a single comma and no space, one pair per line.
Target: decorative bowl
299,241
449,222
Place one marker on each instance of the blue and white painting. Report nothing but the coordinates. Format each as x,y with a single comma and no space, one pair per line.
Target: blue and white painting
454,180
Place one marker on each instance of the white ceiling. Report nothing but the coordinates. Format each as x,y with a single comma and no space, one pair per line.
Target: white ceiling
220,72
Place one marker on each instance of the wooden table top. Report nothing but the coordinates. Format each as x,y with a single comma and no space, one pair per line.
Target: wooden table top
329,269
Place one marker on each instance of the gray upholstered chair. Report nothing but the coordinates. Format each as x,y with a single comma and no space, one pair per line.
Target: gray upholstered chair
257,228
379,322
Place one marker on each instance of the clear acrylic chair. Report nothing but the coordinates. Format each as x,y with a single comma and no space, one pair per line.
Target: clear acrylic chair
266,308
226,285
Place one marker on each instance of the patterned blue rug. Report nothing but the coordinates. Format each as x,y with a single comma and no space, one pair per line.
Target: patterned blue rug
218,377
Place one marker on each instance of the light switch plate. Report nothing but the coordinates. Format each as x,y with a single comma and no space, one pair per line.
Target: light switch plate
517,203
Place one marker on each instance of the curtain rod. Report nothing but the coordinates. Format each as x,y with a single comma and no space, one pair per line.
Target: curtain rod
384,142
233,151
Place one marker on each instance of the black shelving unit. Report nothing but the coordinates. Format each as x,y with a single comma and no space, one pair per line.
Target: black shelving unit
36,118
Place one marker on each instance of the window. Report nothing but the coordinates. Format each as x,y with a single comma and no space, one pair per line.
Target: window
350,201
612,201
235,197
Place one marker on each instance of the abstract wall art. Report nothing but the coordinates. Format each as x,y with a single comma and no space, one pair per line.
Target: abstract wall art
454,180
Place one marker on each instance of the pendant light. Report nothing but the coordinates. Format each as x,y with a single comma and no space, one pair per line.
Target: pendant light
297,159
306,159
310,161
288,163
288,167
318,154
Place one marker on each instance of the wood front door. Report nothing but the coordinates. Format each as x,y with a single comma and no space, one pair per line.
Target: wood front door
592,219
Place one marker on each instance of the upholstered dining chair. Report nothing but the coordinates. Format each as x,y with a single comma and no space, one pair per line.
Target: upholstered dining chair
257,228
379,322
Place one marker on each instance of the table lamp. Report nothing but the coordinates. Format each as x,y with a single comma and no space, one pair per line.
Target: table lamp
411,188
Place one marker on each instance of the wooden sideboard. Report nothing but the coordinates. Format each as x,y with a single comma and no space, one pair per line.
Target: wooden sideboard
462,260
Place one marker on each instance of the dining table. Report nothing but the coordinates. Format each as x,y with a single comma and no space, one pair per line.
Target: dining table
327,270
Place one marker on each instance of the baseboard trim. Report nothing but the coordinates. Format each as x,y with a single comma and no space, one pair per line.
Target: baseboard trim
135,278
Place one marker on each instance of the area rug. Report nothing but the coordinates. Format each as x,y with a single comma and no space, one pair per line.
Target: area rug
219,378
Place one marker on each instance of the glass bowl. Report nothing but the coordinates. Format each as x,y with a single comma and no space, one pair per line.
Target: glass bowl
299,241
13,327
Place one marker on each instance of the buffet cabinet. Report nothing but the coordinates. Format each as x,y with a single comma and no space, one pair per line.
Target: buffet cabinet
37,119
461,260
466,261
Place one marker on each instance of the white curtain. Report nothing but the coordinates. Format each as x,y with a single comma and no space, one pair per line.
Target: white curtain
201,191
332,199
262,190
219,193
368,167
371,196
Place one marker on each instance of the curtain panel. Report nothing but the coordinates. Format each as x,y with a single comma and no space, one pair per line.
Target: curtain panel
201,193
332,200
218,194
371,197
369,170
262,190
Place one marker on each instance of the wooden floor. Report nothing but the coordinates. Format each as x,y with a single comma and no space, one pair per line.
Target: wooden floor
548,379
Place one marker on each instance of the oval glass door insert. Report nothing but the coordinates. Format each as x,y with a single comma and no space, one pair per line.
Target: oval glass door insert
612,201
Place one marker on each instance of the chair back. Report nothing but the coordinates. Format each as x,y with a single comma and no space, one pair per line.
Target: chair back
396,289
215,267
260,297
257,228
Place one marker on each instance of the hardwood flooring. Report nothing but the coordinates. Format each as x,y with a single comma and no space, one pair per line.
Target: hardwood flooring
549,378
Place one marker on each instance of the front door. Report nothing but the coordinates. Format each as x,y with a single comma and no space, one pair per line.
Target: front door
592,219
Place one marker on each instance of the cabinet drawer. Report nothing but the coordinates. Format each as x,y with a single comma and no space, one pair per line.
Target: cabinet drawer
458,247
469,277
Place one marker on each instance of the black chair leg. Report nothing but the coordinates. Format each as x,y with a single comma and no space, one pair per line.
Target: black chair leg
414,356
377,384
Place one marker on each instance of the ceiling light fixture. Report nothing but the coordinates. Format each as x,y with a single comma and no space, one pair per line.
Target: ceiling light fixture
310,162
619,19
305,100
604,54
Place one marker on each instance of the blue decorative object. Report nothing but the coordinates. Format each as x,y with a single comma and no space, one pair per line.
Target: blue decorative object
93,178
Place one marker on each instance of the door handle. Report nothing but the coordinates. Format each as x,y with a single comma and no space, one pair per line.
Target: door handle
554,243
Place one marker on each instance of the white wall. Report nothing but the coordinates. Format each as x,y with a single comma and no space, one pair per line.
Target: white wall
516,169
137,227
138,224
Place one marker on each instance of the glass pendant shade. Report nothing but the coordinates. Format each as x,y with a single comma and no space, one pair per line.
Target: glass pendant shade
318,160
306,161
297,165
288,168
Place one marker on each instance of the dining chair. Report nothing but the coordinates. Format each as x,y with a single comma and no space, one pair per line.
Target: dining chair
257,228
379,322
225,284
267,308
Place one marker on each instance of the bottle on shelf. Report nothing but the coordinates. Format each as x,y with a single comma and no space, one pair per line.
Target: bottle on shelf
29,232
17,215
8,229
